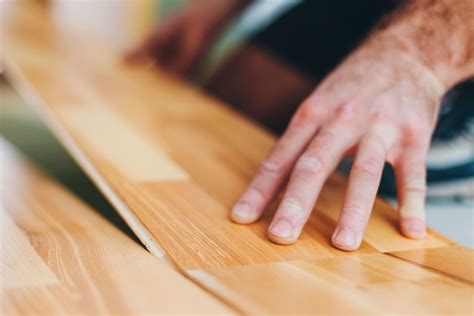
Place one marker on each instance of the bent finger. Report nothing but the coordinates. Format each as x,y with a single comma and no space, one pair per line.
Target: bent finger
309,174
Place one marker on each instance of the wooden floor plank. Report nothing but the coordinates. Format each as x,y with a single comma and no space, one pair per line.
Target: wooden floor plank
170,159
60,257
360,284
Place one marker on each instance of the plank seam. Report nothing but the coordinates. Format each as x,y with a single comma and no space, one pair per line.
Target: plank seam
430,269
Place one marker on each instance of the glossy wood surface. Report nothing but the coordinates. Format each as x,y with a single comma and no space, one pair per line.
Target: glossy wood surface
361,284
60,257
173,160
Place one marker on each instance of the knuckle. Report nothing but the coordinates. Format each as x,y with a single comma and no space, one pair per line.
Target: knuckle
254,194
308,163
415,186
292,209
419,190
307,113
350,110
370,167
377,144
416,132
325,138
322,147
291,203
355,213
272,166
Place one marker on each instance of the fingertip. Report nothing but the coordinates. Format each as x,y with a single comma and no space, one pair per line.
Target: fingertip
413,227
282,232
345,238
280,240
242,213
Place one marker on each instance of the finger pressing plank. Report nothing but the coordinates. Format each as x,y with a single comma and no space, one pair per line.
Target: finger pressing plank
364,181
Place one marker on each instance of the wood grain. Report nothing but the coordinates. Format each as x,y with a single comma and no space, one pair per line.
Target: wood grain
359,284
116,120
172,161
59,257
110,115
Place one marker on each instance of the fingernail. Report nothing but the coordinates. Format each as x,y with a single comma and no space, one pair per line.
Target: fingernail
281,228
415,228
345,237
241,210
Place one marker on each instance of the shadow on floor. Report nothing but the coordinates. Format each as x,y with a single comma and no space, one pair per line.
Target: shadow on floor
22,127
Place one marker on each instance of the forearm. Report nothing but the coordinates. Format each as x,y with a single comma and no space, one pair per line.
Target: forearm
439,33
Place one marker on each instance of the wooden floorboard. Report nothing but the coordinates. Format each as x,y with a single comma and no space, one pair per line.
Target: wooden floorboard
172,161
60,257
358,284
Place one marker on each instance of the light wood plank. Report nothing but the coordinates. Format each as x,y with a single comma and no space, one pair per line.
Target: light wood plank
139,160
20,265
360,284
60,257
457,262
205,154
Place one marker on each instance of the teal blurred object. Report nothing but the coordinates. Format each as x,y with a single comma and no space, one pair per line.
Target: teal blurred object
165,7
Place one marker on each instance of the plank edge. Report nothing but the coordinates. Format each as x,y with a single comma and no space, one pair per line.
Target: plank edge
20,84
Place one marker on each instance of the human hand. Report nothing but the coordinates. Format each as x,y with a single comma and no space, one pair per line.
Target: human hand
179,42
380,105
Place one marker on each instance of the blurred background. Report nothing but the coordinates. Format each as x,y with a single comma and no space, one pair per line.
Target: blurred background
125,23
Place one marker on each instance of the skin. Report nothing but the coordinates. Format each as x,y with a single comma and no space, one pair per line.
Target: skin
379,105
180,41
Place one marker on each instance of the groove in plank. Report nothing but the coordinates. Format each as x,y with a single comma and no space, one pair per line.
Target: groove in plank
74,261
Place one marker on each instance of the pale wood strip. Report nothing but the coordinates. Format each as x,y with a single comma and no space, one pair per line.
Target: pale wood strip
75,262
139,160
20,265
362,284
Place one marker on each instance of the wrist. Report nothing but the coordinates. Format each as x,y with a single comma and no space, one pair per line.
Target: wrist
398,70
439,34
448,66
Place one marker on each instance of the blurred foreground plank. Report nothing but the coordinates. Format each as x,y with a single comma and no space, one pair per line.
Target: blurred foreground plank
60,257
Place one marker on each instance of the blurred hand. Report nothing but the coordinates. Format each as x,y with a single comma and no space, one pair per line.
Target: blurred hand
380,105
179,42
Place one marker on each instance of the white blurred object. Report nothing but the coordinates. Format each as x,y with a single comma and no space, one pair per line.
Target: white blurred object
102,18
454,220
453,152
